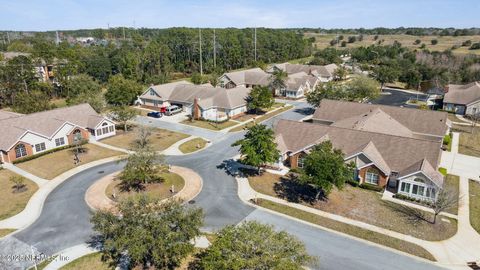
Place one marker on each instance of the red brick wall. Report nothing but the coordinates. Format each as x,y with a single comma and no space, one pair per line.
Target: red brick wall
12,155
85,135
382,181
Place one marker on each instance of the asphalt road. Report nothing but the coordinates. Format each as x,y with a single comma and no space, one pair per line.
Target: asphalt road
395,97
64,221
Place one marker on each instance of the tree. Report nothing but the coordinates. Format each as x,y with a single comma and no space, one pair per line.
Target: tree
417,41
325,168
144,166
142,137
434,41
340,73
352,39
196,78
385,74
96,100
121,91
35,101
343,44
252,245
362,88
278,80
123,114
260,97
149,232
80,84
258,146
18,182
475,46
446,198
328,90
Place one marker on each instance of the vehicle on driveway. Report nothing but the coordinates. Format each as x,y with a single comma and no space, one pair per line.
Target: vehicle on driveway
154,114
174,109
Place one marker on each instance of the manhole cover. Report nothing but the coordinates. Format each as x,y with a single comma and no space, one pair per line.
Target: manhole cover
191,202
100,172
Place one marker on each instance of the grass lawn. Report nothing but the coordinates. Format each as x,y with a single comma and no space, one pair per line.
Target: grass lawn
59,103
160,139
140,111
249,116
192,145
87,262
452,182
210,125
261,118
469,142
158,190
359,204
51,165
11,201
349,229
474,188
4,232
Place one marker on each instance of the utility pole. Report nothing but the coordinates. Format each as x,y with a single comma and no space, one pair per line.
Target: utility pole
255,38
123,29
214,50
57,41
201,63
8,38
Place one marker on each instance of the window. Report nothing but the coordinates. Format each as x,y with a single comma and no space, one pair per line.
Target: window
77,135
372,177
99,132
301,161
152,92
405,187
105,130
59,141
110,128
40,147
20,151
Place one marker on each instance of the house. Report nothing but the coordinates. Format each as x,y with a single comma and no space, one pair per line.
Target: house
406,165
462,99
247,78
26,135
297,85
323,73
200,101
398,121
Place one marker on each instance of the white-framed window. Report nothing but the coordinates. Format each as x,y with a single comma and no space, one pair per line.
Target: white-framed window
405,187
110,128
372,177
152,92
40,147
301,161
105,130
59,141
418,190
20,151
77,135
99,132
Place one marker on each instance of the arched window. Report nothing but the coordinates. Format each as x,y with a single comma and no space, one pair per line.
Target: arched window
420,180
77,135
20,151
372,176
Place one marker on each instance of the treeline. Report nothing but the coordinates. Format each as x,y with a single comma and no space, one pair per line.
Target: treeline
145,56
414,31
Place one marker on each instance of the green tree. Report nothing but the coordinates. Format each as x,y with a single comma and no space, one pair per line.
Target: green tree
434,41
385,74
196,78
144,166
252,245
18,182
328,90
258,147
121,91
35,101
260,97
149,232
279,79
362,88
123,114
96,100
325,168
340,73
80,84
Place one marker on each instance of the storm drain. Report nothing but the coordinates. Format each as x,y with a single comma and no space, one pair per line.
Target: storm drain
100,172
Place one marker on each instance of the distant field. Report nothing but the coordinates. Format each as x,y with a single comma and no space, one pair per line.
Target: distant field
444,42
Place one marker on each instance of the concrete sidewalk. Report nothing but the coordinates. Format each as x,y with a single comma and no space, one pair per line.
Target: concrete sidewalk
35,204
39,181
68,255
459,164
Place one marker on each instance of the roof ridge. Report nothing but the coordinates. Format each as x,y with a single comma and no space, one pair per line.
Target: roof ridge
381,105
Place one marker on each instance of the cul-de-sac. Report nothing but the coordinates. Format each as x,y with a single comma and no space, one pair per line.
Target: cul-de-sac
242,135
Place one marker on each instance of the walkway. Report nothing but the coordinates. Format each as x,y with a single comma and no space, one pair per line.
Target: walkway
459,164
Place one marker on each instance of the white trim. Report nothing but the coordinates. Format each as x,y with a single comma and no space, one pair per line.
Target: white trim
408,175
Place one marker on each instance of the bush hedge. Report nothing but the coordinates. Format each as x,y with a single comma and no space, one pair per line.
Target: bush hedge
353,182
24,159
371,187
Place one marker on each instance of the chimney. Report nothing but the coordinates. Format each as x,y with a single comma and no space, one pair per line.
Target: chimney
196,109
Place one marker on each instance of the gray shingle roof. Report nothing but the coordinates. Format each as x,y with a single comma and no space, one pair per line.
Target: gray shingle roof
418,121
462,94
323,71
254,76
398,153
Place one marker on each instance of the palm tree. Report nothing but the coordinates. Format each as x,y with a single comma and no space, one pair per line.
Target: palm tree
278,80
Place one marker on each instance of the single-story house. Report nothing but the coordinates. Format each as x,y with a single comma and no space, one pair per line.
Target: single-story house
297,85
200,101
323,73
391,120
247,78
26,135
462,99
407,165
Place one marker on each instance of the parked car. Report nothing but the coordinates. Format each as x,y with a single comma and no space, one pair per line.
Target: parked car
154,114
174,109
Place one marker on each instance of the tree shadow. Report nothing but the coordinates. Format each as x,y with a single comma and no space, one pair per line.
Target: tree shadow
412,215
290,189
305,111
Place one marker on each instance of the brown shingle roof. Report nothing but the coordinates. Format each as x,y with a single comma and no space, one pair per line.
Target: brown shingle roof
426,168
418,121
397,152
323,71
255,76
462,94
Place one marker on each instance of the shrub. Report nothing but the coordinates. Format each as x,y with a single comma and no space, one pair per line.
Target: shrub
352,39
434,41
371,187
443,171
353,183
418,41
343,44
467,43
447,140
24,159
475,46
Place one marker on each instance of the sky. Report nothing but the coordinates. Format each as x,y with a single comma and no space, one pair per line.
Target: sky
40,15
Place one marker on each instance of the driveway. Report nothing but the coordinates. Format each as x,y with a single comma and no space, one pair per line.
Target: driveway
64,221
396,97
